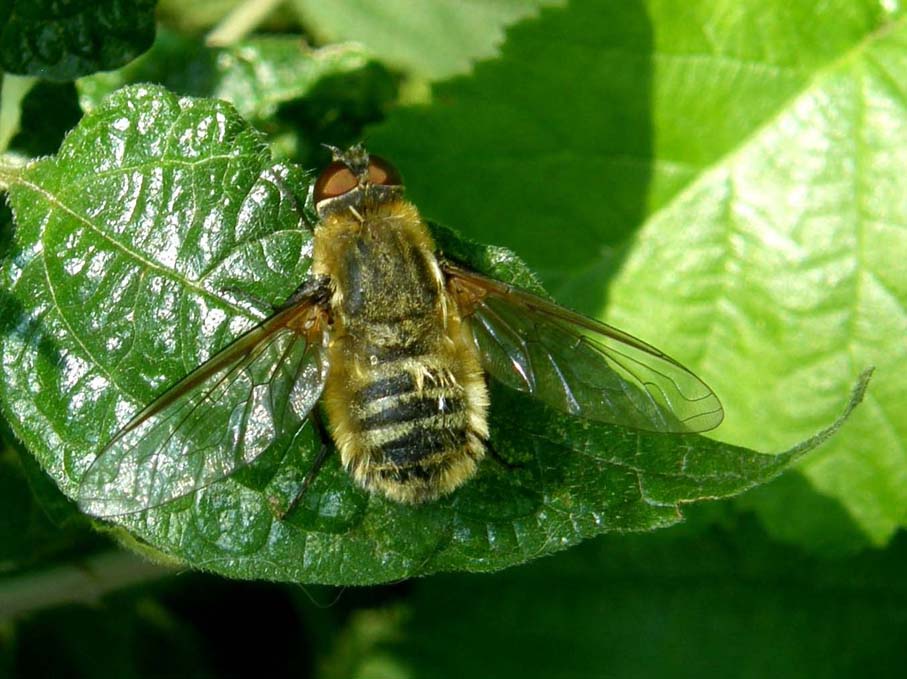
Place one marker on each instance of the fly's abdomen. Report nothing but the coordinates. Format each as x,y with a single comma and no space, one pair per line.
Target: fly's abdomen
408,416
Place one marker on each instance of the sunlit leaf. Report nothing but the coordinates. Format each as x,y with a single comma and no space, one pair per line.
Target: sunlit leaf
139,251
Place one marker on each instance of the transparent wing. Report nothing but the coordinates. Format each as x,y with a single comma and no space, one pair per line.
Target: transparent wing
255,394
576,364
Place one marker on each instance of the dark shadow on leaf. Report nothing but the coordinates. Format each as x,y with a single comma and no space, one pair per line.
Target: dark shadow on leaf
14,319
39,524
56,506
6,229
183,65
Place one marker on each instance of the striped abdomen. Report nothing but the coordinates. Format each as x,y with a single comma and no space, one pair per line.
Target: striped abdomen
414,424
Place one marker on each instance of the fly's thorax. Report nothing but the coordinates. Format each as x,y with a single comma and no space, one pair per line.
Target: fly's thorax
381,263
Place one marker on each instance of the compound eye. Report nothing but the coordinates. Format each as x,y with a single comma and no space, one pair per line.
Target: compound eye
382,173
335,180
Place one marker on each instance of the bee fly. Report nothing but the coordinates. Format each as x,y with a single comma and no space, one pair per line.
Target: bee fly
396,343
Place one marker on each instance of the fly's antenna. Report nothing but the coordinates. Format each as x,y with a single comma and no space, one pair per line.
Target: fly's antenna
355,158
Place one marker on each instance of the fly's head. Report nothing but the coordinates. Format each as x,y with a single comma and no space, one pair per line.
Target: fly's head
354,182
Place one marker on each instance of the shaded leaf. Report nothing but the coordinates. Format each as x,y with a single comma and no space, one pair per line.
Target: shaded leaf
207,16
195,17
131,245
676,604
36,529
300,96
6,234
63,40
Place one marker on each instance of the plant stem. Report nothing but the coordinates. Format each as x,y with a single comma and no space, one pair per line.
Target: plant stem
85,582
244,19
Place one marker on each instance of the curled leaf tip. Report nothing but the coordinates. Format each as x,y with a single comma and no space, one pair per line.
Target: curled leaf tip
856,397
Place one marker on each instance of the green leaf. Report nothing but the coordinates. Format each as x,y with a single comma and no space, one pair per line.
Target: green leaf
431,40
131,245
63,40
256,75
734,172
726,602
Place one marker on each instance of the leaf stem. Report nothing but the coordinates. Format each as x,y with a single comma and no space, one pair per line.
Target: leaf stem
244,19
85,582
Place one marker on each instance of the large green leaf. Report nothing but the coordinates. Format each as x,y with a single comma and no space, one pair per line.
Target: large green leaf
63,40
429,39
131,245
735,171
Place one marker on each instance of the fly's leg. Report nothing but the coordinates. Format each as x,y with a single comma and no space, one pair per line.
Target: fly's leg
318,462
496,456
318,287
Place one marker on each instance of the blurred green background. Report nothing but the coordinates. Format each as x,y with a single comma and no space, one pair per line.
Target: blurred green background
723,178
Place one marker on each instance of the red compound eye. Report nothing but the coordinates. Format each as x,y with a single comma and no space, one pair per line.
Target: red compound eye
335,180
382,172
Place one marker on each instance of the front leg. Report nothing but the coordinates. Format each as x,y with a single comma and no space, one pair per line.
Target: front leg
317,463
317,288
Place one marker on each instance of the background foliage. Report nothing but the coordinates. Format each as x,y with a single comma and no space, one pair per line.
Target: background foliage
723,178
